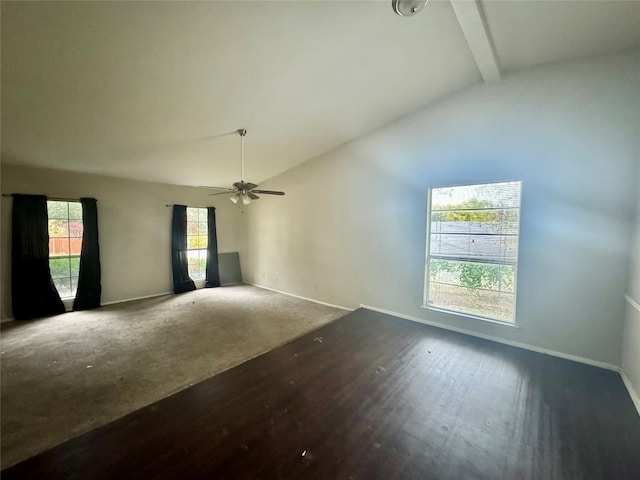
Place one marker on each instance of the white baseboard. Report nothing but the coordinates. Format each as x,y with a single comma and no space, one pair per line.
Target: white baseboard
136,298
300,297
632,393
524,346
69,303
627,383
225,285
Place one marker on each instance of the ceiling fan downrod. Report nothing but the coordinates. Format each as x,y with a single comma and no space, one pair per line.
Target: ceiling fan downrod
242,132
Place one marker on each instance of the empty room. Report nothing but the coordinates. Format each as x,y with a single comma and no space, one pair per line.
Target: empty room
394,239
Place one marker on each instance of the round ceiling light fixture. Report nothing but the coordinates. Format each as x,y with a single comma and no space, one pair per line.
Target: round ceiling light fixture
407,8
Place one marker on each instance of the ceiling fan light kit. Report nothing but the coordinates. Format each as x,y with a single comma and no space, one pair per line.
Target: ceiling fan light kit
239,198
243,192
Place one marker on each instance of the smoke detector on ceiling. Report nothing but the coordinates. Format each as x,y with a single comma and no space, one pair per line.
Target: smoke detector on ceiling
407,8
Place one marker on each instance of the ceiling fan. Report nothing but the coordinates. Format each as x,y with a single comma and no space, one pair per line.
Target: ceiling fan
243,191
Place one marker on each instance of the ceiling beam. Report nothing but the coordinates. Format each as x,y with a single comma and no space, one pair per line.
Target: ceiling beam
475,31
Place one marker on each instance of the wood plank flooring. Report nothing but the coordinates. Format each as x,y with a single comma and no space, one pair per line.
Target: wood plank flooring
371,397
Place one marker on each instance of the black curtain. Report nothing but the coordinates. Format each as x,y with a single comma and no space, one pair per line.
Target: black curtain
179,264
213,274
89,287
33,293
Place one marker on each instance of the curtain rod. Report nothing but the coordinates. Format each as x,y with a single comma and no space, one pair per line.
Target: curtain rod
54,199
188,206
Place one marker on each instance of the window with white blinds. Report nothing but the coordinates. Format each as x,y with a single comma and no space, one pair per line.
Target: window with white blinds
472,249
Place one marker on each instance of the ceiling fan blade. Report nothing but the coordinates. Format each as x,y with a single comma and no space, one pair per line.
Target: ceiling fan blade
268,192
226,192
215,188
250,186
252,195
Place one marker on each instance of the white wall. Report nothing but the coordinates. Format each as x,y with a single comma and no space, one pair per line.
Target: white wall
133,223
631,334
351,229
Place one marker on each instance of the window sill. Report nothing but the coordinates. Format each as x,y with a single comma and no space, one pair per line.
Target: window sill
68,303
470,316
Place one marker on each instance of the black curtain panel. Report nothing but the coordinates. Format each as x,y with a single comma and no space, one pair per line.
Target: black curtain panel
89,286
213,274
33,293
179,264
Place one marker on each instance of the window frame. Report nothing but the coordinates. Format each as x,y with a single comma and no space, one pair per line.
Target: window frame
204,250
70,257
428,257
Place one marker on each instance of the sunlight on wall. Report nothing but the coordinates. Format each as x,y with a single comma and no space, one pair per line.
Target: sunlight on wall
356,228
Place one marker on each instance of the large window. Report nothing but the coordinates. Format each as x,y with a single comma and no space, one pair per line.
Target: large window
472,249
65,245
197,239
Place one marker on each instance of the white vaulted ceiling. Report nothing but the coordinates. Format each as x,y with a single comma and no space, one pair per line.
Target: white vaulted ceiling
143,90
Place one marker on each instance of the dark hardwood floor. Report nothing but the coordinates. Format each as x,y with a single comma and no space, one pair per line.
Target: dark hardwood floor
372,397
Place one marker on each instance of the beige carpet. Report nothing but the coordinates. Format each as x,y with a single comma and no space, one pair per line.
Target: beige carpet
66,375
